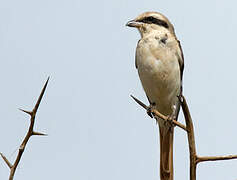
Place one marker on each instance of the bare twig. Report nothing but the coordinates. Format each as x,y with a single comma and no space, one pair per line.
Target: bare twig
30,133
158,114
6,161
215,158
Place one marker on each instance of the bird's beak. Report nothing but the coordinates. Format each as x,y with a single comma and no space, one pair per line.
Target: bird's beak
134,23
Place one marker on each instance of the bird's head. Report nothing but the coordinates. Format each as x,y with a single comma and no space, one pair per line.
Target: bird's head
149,22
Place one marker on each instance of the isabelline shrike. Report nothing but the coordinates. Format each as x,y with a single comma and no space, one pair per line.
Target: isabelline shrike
159,61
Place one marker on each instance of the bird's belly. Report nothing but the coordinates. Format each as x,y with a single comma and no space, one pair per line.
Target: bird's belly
161,82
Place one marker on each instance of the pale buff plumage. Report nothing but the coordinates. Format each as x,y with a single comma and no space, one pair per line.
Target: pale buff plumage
159,61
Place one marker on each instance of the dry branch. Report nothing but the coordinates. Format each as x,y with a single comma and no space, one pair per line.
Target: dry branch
191,138
215,158
30,133
158,114
194,158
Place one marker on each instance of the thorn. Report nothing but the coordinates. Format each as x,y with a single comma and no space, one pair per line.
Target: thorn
140,103
6,161
40,96
39,134
27,112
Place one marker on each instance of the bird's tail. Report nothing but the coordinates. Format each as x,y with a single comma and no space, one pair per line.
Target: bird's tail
166,151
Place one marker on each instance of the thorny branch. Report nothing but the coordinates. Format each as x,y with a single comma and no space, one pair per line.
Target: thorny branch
30,133
158,114
194,158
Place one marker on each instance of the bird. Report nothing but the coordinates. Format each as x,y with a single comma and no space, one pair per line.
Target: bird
159,61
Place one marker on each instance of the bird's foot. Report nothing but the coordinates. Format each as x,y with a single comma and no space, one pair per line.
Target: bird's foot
172,117
149,110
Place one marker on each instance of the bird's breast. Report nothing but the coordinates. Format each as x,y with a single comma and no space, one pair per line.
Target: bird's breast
159,73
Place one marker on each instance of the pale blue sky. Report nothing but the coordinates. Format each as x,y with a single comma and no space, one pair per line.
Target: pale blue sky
95,130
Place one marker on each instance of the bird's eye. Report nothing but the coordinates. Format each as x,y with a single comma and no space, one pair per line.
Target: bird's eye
150,19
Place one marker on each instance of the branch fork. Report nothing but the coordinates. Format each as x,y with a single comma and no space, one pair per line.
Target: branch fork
189,128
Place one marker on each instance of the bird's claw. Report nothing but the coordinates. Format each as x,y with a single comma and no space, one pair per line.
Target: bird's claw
149,110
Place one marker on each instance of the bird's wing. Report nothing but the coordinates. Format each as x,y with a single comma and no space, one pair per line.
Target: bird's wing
181,60
181,63
136,62
136,55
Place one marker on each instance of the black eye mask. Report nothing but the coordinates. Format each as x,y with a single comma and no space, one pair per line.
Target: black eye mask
152,20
